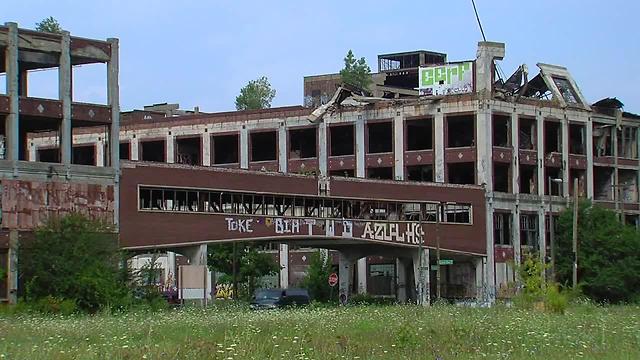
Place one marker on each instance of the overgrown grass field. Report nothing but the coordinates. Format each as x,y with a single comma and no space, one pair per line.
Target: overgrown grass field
358,332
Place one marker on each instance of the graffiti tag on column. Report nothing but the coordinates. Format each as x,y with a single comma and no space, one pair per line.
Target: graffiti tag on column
392,232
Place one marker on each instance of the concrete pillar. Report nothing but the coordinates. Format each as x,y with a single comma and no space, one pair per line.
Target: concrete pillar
401,280
282,148
565,156
170,140
422,278
344,276
439,147
33,152
12,75
490,277
322,148
64,93
284,266
540,153
362,275
197,254
360,148
171,268
515,166
542,235
398,145
487,52
134,148
12,276
100,158
484,149
515,234
589,145
244,147
481,285
206,149
113,98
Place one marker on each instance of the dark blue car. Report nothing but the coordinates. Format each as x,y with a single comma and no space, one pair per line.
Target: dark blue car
279,298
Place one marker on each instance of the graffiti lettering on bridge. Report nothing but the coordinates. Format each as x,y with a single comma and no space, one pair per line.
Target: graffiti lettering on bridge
412,234
239,225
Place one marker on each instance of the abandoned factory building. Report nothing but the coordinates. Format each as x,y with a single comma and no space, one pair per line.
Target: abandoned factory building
435,154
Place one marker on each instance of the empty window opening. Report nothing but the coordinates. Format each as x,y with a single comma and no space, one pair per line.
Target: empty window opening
89,83
632,219
125,151
50,155
602,183
566,90
527,134
581,175
460,131
343,173
383,173
152,151
188,151
3,80
225,149
628,185
528,177
420,134
577,139
552,137
461,173
529,230
380,137
553,177
342,140
502,228
602,143
501,130
628,142
302,143
420,173
264,146
84,155
502,177
39,83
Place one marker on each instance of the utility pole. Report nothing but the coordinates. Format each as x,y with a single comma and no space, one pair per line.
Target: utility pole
235,272
421,259
439,212
575,233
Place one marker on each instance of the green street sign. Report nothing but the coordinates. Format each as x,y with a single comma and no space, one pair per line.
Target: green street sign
445,262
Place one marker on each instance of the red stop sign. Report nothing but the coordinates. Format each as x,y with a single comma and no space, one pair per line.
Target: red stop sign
333,279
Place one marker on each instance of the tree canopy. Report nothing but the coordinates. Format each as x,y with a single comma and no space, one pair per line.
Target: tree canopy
49,24
356,72
257,94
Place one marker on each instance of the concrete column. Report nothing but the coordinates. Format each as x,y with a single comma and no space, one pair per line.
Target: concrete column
344,276
439,147
515,166
360,148
197,254
490,276
113,98
515,234
12,276
170,148
565,156
322,149
64,92
284,266
282,148
362,275
487,52
401,280
206,149
171,268
481,285
100,153
483,147
12,75
398,145
33,152
540,151
589,144
134,148
244,147
542,235
422,278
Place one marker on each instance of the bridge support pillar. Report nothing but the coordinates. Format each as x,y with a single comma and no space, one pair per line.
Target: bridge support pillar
284,265
421,276
345,265
401,280
197,255
362,275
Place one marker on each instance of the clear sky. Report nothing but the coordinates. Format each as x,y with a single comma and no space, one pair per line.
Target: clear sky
200,53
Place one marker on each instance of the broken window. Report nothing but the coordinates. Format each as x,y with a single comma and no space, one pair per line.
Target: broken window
153,151
501,228
552,137
566,90
342,140
501,130
380,137
302,143
188,150
527,133
631,219
420,173
383,173
529,230
553,176
264,146
125,151
343,173
461,173
577,139
628,185
502,177
84,155
420,134
457,213
602,143
460,131
602,183
582,181
50,155
628,142
528,179
225,149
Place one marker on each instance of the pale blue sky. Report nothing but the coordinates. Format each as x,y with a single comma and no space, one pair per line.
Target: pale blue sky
202,53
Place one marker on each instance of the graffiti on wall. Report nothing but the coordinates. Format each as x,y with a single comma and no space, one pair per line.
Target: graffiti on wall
224,291
410,234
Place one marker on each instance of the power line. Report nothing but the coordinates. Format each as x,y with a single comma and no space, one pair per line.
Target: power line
478,18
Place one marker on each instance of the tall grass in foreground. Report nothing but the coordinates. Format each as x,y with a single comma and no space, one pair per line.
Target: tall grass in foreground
360,332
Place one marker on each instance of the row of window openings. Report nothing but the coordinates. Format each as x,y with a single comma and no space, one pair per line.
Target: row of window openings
528,179
529,231
183,200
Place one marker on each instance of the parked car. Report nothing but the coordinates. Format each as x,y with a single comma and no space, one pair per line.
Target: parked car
279,298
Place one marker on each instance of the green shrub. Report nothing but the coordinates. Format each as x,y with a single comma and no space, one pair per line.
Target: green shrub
53,305
317,279
555,300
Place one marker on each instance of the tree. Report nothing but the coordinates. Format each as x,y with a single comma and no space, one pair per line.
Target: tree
49,24
317,279
356,72
608,260
257,94
251,263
